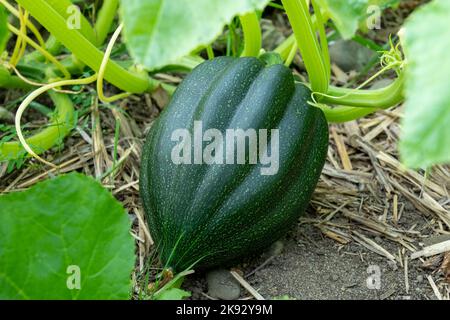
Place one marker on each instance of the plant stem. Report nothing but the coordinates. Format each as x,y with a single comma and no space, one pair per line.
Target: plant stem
284,49
44,52
23,30
30,98
52,46
8,81
103,65
319,22
356,104
84,50
381,98
29,24
210,52
252,35
60,7
103,24
307,42
47,138
18,45
275,5
345,114
105,19
291,56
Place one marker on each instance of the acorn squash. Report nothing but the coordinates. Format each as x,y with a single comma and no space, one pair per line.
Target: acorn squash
231,163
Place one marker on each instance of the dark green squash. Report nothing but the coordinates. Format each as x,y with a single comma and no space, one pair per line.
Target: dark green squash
219,213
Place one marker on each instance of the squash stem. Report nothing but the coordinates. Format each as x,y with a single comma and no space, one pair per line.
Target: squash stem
309,46
105,19
381,98
355,104
284,49
252,35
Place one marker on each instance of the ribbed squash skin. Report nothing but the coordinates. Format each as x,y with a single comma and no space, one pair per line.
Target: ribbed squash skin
217,214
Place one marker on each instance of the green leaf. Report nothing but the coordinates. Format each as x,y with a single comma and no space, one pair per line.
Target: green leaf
160,32
60,231
347,14
4,33
426,126
173,294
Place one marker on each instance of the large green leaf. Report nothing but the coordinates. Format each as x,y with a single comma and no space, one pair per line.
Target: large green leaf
61,229
347,14
160,32
4,33
426,126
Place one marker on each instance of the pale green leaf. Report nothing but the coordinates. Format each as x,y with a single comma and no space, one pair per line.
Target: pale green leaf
161,32
348,14
61,233
426,126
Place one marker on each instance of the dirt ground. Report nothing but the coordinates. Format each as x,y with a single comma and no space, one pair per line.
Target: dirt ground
313,267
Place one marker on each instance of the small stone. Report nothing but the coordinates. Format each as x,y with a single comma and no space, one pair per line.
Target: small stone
334,277
350,55
222,285
378,239
276,249
419,278
393,265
